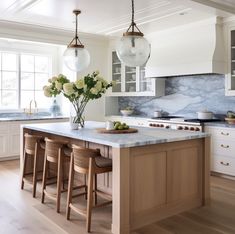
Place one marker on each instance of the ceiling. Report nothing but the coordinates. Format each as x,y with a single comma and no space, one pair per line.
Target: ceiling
112,17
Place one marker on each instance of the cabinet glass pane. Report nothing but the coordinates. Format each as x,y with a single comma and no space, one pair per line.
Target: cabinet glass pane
9,80
9,99
130,79
145,83
116,72
27,81
9,62
233,60
27,63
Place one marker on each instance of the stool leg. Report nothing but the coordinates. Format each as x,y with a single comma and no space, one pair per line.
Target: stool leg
95,189
59,180
23,171
70,188
90,194
85,182
44,178
35,170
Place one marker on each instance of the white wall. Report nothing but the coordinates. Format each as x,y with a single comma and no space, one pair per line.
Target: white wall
97,46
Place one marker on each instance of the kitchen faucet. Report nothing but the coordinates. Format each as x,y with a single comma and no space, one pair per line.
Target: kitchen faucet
29,111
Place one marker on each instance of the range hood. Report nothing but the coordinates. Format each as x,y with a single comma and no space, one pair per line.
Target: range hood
192,49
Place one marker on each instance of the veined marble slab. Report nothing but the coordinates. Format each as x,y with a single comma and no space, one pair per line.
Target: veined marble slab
145,136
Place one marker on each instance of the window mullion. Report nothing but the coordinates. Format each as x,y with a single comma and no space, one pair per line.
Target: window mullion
19,81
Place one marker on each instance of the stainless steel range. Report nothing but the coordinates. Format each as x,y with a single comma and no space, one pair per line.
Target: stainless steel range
179,123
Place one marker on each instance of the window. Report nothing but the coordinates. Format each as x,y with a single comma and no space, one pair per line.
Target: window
22,79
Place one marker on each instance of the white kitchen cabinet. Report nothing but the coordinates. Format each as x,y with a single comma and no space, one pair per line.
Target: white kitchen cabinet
131,81
230,77
222,149
10,136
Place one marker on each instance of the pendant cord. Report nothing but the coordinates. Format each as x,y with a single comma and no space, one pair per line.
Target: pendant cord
133,13
76,31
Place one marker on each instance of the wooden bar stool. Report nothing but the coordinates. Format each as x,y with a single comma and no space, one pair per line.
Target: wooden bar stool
32,148
54,153
88,162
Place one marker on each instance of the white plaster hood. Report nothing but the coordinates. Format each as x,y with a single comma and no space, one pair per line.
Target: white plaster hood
197,48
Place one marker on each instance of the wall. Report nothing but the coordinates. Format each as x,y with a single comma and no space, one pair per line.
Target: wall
185,96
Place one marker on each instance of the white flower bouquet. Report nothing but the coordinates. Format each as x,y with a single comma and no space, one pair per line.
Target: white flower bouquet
79,93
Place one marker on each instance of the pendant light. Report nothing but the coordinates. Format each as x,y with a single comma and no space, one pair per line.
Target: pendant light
76,57
133,49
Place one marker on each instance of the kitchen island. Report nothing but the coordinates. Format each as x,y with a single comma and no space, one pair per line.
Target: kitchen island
156,172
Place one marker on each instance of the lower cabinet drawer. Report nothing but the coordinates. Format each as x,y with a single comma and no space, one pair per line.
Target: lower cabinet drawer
223,164
223,147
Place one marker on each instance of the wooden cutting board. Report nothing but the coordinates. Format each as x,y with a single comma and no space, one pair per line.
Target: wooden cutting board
124,131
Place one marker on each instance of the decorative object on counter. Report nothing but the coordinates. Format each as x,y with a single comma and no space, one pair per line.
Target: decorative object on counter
79,93
133,49
230,117
76,57
124,131
157,113
204,114
127,111
55,108
109,125
31,110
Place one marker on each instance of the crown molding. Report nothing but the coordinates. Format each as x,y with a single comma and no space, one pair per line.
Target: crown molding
39,33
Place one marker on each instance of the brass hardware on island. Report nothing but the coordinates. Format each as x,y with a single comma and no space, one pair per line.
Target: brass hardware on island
224,134
31,110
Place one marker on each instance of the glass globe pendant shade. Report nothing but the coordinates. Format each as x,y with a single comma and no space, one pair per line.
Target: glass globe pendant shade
76,58
133,50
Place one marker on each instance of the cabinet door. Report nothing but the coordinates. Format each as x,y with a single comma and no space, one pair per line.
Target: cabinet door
116,73
3,145
14,139
130,79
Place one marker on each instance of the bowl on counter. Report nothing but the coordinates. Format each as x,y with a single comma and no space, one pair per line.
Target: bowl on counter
205,114
126,112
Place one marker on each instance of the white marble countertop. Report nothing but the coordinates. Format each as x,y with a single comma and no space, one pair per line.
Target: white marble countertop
145,136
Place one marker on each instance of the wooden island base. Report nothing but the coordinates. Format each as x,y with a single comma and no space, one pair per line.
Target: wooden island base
150,182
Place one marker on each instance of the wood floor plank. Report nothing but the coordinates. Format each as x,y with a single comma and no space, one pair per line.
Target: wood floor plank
20,213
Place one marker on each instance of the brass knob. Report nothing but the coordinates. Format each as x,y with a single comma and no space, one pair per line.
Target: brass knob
225,134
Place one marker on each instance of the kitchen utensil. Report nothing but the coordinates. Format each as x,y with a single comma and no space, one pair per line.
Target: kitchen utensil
204,114
109,125
157,113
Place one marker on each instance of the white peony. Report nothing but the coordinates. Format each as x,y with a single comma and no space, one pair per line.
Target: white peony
58,85
49,80
97,72
54,78
98,86
79,83
94,91
68,88
47,91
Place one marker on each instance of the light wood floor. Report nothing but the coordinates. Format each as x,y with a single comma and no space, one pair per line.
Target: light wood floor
21,214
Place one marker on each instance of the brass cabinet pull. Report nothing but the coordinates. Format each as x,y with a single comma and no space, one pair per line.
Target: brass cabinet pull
225,146
225,134
225,164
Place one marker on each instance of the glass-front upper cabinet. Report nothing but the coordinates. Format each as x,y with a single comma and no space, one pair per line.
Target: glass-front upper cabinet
131,81
230,79
116,73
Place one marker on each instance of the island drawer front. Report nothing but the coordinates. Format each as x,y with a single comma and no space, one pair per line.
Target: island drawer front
3,128
223,165
223,133
223,147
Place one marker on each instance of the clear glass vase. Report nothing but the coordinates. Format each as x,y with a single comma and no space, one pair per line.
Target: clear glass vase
76,119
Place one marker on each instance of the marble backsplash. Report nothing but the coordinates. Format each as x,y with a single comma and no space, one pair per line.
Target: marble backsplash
185,96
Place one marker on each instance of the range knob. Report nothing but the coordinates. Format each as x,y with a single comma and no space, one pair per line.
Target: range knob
157,125
186,128
161,125
154,125
192,129
167,126
197,129
151,125
180,128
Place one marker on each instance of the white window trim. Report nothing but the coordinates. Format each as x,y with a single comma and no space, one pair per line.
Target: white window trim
30,48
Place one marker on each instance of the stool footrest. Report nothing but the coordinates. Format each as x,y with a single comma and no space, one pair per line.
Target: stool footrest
77,210
102,204
50,195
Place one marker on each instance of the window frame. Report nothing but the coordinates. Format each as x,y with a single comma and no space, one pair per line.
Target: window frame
34,49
